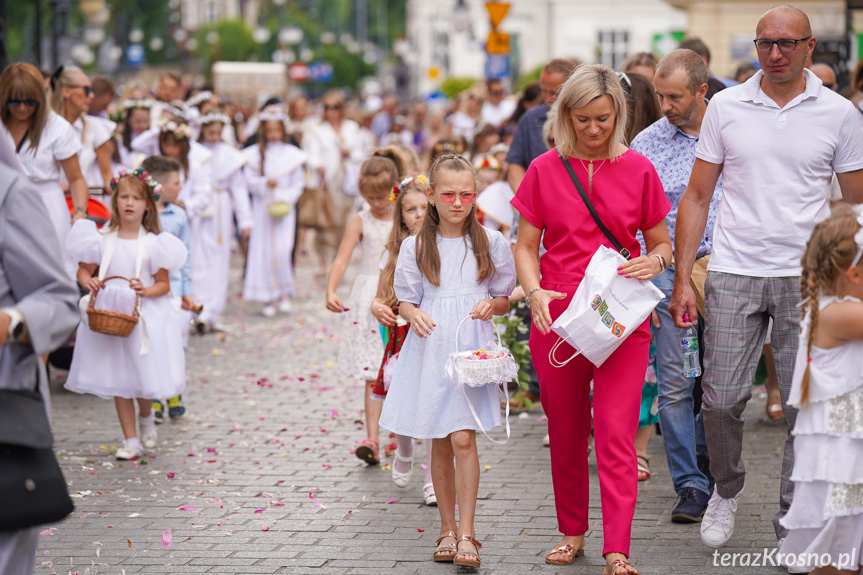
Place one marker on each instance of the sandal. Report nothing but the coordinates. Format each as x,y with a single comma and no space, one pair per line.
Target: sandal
623,567
429,497
568,551
774,411
399,478
445,553
368,451
643,470
390,449
470,558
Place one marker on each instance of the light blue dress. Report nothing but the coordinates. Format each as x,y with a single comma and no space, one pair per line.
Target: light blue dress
421,402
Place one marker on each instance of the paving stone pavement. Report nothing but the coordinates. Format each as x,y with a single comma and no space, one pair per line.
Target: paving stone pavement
259,477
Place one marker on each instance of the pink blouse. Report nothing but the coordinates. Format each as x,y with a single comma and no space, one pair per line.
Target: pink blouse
627,195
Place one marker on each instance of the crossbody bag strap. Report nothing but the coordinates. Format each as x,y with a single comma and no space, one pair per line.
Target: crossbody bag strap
107,253
617,245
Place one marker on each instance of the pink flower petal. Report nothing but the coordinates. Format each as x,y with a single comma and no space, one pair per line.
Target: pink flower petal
390,501
187,508
167,538
264,528
259,510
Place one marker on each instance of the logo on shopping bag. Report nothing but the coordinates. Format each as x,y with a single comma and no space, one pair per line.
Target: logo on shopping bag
601,307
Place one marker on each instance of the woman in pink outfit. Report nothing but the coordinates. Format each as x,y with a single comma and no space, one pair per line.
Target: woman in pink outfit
628,196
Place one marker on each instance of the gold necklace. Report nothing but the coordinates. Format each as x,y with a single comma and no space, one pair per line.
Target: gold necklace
590,173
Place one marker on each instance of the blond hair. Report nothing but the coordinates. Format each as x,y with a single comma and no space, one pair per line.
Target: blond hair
829,253
398,234
584,85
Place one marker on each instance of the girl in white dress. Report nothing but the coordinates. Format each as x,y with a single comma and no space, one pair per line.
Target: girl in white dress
361,349
46,145
217,233
136,121
149,363
452,268
274,174
825,520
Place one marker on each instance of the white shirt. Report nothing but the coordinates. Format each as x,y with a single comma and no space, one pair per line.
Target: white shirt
97,133
776,170
497,115
323,147
58,142
462,125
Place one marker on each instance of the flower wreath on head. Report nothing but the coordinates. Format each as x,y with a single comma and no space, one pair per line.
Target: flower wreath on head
406,182
213,118
135,103
489,162
178,130
142,175
199,98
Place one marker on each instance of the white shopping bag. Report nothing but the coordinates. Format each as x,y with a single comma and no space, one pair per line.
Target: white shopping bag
605,309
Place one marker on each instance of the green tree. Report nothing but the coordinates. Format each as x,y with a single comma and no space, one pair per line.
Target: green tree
234,44
454,85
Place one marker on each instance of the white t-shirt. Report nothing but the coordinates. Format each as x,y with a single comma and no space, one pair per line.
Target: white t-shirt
497,115
98,132
777,165
57,142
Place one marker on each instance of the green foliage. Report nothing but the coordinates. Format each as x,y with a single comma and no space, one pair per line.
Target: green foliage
518,348
532,76
235,43
453,86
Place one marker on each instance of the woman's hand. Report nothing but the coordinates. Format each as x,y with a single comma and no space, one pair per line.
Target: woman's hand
334,304
187,303
272,183
421,323
641,268
482,310
139,288
383,313
93,284
539,308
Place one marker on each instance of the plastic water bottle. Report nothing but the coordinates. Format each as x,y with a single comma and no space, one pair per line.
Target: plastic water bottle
689,347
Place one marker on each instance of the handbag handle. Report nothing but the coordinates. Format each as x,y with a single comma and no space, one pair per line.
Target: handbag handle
617,245
499,342
553,361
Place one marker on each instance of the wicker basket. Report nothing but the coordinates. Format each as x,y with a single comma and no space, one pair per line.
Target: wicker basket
112,322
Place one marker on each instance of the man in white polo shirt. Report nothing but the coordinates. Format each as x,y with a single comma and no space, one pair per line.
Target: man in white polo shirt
776,140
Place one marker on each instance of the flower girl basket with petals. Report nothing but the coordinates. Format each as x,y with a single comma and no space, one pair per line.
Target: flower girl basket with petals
479,368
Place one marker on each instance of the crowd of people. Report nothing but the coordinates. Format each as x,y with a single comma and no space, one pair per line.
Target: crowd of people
731,197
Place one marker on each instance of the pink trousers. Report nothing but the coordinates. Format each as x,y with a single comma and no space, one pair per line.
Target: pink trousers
565,396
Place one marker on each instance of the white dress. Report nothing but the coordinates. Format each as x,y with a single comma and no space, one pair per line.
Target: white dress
111,366
211,252
98,131
826,513
361,349
269,269
421,402
57,142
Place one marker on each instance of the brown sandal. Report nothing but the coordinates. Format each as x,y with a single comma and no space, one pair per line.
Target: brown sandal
471,558
445,553
568,551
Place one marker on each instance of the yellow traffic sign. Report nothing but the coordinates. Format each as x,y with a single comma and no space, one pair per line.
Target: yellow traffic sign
498,43
497,12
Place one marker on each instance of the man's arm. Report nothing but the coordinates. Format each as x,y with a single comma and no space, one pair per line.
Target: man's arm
691,221
515,174
851,184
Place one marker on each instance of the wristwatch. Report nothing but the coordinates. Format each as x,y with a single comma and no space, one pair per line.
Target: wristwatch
662,264
16,324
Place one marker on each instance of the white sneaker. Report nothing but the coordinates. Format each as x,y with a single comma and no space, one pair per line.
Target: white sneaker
717,525
268,311
285,305
130,451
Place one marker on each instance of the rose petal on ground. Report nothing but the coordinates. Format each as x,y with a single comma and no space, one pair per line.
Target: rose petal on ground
167,538
390,501
187,508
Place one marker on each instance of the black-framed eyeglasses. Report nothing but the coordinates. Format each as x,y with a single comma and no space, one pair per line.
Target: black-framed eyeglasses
785,44
25,103
87,89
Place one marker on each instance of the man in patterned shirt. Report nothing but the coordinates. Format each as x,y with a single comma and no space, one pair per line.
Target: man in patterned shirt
681,84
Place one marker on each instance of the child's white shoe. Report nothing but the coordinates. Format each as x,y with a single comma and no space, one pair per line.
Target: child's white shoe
285,305
147,427
268,311
131,450
401,479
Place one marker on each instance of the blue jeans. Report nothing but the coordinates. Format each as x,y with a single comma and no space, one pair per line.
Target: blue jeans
682,432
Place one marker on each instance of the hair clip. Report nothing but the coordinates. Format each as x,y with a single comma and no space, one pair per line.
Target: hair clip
142,175
393,194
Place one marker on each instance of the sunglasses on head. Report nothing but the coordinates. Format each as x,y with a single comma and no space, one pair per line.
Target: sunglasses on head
467,198
25,103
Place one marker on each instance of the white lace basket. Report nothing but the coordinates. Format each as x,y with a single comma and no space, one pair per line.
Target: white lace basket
480,372
463,371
